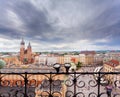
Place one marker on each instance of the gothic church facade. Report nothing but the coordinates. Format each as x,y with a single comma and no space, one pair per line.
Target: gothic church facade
25,54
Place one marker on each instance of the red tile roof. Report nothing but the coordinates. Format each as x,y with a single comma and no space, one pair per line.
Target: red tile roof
113,63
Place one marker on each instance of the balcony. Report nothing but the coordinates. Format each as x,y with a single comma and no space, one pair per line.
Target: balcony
59,84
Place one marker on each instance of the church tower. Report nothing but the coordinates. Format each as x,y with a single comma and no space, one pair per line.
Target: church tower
29,53
22,49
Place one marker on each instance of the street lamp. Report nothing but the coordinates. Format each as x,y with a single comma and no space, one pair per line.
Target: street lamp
57,67
67,66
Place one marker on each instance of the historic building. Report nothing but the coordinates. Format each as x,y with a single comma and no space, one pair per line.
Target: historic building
111,66
87,57
11,60
25,54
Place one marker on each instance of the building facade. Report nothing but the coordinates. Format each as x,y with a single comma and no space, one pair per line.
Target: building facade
25,54
111,66
87,57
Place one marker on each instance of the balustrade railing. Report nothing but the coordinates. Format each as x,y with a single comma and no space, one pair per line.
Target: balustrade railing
60,84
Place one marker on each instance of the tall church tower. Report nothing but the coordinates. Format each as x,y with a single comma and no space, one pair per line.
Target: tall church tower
22,49
29,53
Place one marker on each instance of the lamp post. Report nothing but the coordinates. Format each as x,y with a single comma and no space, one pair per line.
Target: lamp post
67,66
57,67
52,81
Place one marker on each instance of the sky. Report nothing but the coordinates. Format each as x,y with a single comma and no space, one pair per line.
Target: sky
60,25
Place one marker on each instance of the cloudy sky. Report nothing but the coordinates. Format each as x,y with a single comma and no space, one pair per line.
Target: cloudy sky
60,24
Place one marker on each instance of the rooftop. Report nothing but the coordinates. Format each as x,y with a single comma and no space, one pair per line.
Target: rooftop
113,63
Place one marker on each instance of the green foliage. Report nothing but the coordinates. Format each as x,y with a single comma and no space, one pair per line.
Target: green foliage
76,53
2,64
79,64
25,60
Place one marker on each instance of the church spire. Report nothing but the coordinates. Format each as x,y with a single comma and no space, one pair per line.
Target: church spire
22,42
29,45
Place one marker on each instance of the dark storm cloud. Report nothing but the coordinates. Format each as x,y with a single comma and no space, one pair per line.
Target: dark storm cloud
61,21
106,24
35,21
102,19
100,25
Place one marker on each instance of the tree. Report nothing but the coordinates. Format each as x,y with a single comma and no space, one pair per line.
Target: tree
79,64
25,61
2,64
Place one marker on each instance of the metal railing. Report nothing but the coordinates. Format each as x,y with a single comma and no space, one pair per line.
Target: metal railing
60,84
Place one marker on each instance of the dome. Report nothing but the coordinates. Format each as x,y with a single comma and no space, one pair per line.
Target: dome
2,64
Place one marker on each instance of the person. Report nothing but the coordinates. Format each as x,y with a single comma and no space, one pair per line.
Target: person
109,90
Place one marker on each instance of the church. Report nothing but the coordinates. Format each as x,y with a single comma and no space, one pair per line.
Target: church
25,54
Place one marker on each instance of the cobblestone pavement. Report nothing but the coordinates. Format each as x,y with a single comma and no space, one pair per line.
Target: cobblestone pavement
89,85
15,91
